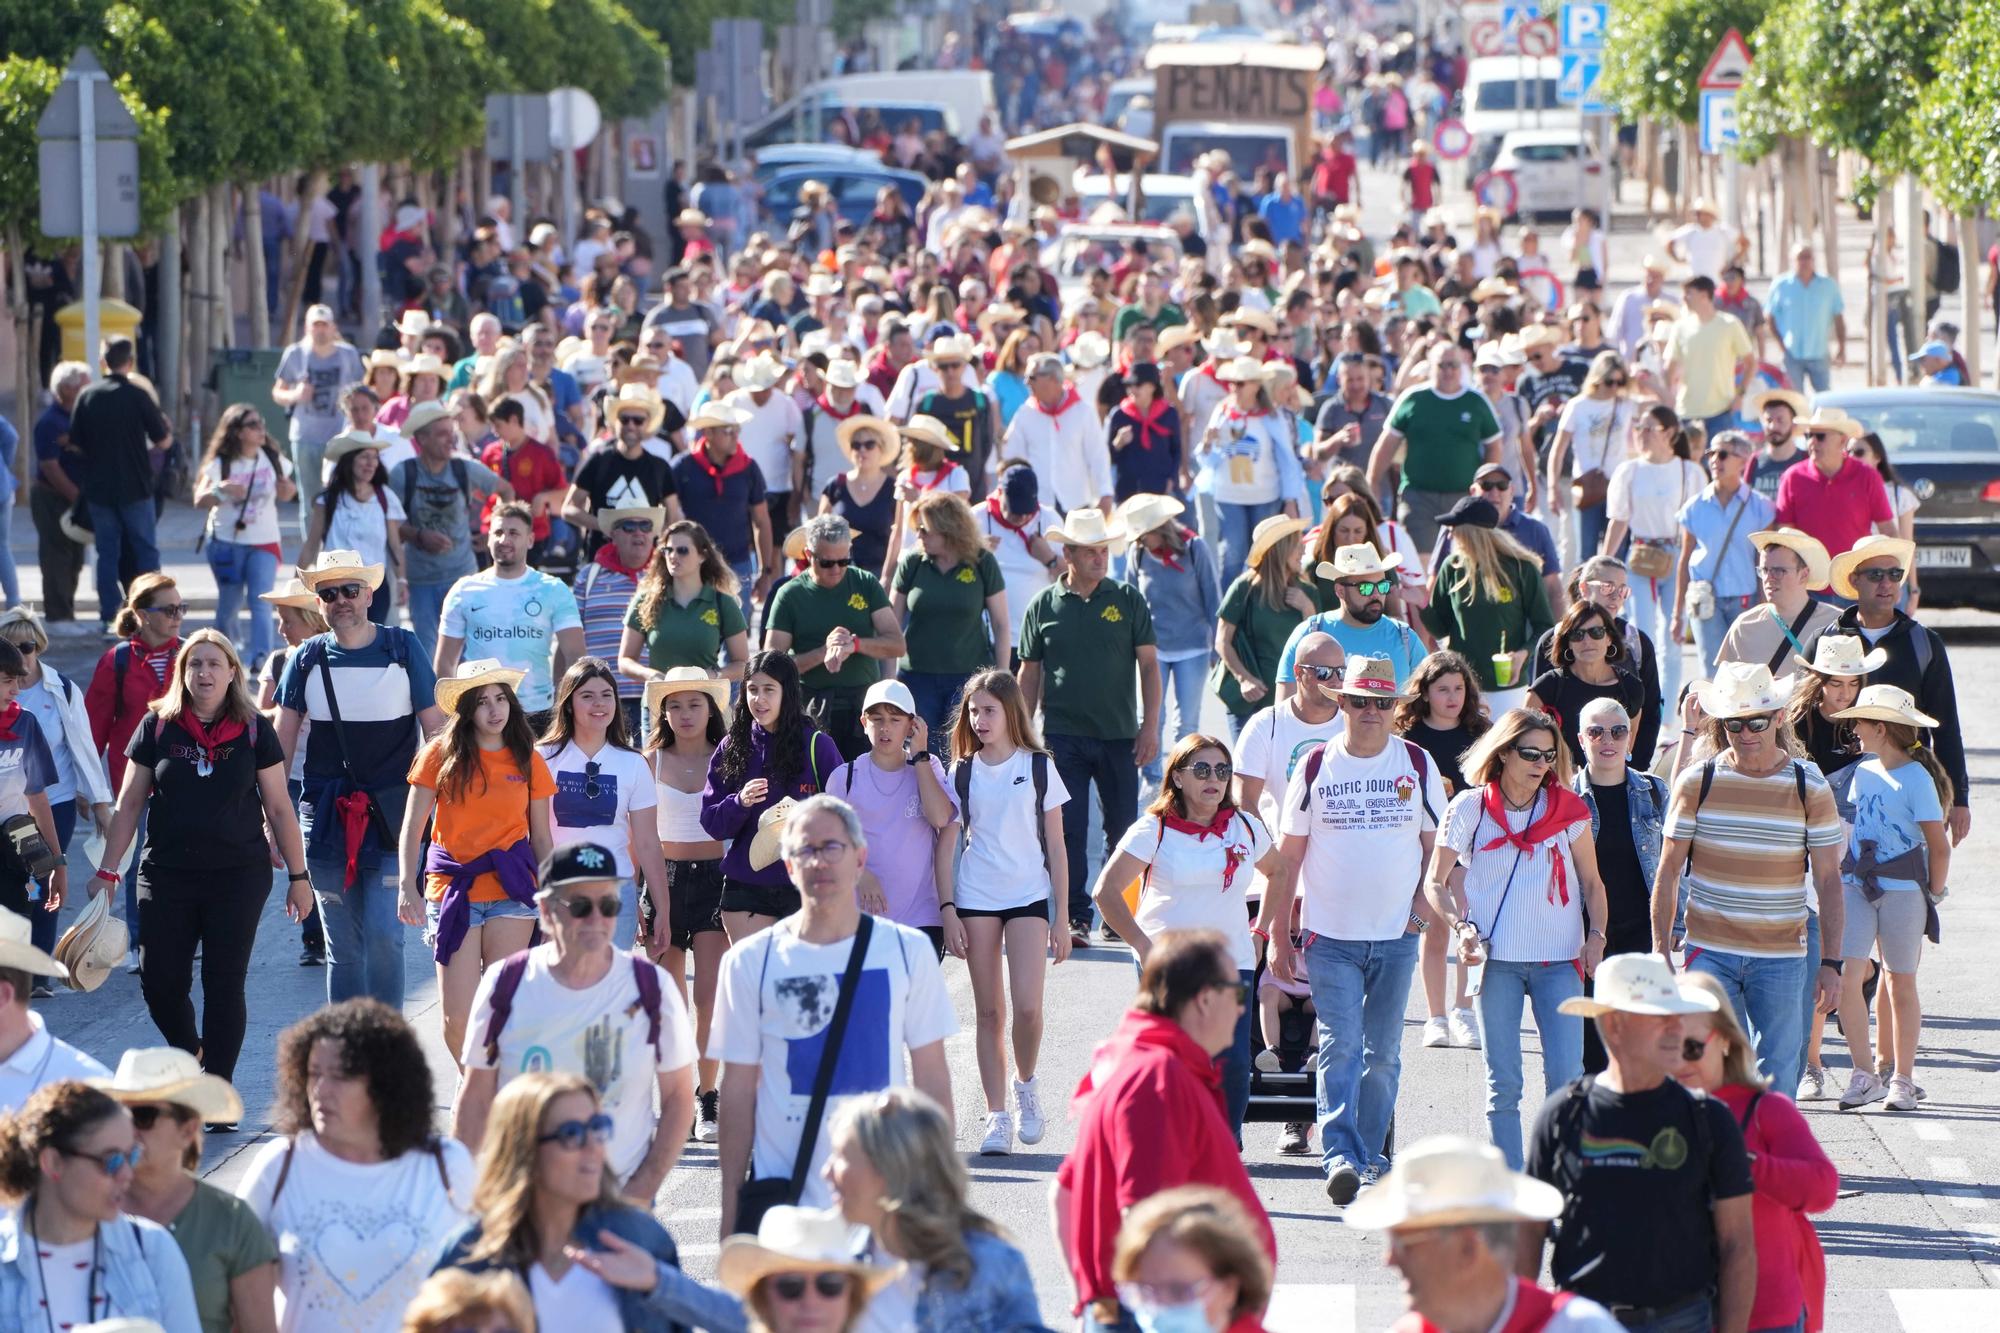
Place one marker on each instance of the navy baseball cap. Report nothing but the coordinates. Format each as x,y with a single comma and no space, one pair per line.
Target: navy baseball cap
578,863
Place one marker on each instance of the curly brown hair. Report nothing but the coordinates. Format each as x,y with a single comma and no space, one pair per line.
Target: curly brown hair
1413,707
56,1116
376,1045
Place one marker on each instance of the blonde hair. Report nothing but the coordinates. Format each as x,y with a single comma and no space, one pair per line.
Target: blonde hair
1276,573
1482,760
1602,366
452,1296
1210,1223
314,621
947,514
25,617
236,705
906,1138
1739,1065
139,594
1479,556
504,1198
1006,692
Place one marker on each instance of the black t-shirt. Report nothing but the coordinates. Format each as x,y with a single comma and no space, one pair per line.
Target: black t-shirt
1640,1227
1628,898
204,823
113,426
1566,694
613,481
1444,748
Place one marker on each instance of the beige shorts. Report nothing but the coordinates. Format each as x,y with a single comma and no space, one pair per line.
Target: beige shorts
1895,921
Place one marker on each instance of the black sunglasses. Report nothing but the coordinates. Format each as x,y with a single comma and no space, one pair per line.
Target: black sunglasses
1754,725
1591,632
174,612
1535,756
573,1134
825,563
792,1286
1236,986
1619,731
1361,703
1204,770
1879,575
630,525
342,592
145,1117
580,908
1497,484
677,549
590,787
631,419
1322,674
1693,1048
25,649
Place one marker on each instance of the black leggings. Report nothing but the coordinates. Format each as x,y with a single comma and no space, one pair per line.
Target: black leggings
216,911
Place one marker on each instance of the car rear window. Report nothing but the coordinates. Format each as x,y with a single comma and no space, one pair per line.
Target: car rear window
1930,425
1544,152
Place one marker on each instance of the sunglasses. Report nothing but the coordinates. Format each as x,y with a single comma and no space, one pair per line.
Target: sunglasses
341,592
1879,575
1204,770
580,908
1754,725
590,786
1361,703
1534,756
1497,484
1591,632
632,419
1377,588
25,649
1617,383
826,562
792,1286
145,1117
174,612
111,1163
1618,730
679,550
633,525
1235,986
573,1134
1322,674
861,442
1693,1048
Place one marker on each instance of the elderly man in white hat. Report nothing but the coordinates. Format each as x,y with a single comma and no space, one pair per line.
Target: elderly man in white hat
1453,1213
29,1056
1087,648
1363,578
1755,830
723,490
310,376
1656,1218
773,432
1060,437
1873,573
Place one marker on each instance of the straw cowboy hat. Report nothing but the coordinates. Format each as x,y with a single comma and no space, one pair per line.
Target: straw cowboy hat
1089,527
348,442
1370,677
1000,314
94,945
1494,289
690,217
795,545
1789,397
686,680
382,359
1268,534
428,363
1244,370
1256,250
1886,703
1089,351
1359,561
294,594
761,371
340,567
642,396
952,347
1843,655
1224,345
797,1240
764,845
1180,335
1537,335
476,675
843,374
1142,513
1874,546
163,1074
18,951
1742,688
607,519
1654,264
716,413
1832,419
1449,1181
1703,204
1808,548
822,284
929,430
883,429
415,323
1638,983
424,414
1256,319
638,368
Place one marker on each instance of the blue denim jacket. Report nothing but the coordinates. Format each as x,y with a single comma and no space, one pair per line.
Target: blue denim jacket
999,1297
141,1271
1647,797
677,1302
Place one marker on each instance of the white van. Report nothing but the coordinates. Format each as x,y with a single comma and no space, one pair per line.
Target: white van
1250,145
1505,93
951,100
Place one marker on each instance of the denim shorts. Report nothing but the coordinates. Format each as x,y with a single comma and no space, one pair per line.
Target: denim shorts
501,910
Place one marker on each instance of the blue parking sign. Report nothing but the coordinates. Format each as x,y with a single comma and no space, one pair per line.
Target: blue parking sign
1584,24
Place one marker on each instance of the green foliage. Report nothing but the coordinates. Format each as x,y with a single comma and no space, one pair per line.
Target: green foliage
532,51
681,26
1957,129
1655,50
26,85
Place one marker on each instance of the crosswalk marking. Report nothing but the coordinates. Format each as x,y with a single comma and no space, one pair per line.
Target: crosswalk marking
1930,1131
1298,1307
1945,1308
1951,1168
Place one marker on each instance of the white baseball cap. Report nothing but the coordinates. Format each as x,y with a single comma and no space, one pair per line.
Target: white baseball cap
892,692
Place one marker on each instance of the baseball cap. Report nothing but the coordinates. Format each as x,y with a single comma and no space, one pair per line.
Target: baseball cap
578,863
891,692
1021,490
319,313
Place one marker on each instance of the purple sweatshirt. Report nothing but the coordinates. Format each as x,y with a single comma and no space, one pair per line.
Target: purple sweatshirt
727,818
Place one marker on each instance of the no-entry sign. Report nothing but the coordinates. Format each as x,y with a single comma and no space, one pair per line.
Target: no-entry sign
1451,139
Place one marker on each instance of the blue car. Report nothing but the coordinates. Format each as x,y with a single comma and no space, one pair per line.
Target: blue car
854,189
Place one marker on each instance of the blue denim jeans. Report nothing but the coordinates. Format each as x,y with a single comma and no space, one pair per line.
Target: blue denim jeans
10,578
1127,1322
310,459
120,527
1709,630
1183,681
1765,993
1502,995
1080,761
1651,608
364,939
1235,523
1590,526
1361,989
1816,370
260,571
936,694
426,610
746,580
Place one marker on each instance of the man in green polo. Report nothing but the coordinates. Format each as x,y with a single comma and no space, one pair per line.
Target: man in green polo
836,622
1086,641
1450,430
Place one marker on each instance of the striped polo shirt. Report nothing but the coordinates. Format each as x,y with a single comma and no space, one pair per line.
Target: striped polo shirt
1748,884
603,596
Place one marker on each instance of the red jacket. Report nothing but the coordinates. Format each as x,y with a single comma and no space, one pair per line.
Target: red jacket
114,719
1793,1177
1149,1117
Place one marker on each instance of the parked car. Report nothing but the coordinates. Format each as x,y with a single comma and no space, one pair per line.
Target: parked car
854,189
1555,171
1945,445
1505,93
783,156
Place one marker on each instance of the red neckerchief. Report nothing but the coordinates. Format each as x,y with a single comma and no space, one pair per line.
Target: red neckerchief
823,405
1565,808
148,656
738,462
607,555
1070,399
226,730
1232,857
1208,368
1149,421
944,469
998,510
1168,557
7,718
1236,413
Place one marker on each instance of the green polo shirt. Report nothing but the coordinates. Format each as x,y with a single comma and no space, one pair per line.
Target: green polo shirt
1089,651
946,632
1477,626
809,613
1261,636
690,635
1445,437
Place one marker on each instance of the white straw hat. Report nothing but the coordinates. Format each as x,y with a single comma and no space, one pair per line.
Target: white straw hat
1742,688
18,951
1638,983
167,1074
1843,655
1358,561
1887,703
1449,1181
1089,527
474,675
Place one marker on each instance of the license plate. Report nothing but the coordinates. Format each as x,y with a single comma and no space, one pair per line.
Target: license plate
1944,557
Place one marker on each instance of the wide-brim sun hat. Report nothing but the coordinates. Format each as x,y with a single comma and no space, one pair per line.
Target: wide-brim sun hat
1639,983
685,680
716,413
164,1074
94,945
929,430
1260,320
1789,397
1244,370
766,845
1449,1181
1844,655
1089,351
424,414
1371,678
797,1240
1268,534
414,323
762,371
1173,339
1223,345
1143,512
1358,561
341,567
345,443
1875,546
1819,566
476,675
294,594
641,396
1089,527
1834,420
1741,689
18,951
607,519
1887,703
885,431
425,363
843,374
952,347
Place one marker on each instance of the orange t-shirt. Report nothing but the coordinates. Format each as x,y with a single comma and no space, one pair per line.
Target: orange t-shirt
492,813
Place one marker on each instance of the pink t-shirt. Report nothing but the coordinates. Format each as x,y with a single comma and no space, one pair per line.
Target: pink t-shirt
900,840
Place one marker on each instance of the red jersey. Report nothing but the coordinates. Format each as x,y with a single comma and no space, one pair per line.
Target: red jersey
530,470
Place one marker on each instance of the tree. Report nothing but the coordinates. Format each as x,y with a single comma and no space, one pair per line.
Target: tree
1958,112
1655,50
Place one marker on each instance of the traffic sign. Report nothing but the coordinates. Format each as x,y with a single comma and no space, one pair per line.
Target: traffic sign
1514,16
1584,23
1718,120
1485,38
1577,85
1499,190
1537,38
1452,140
1728,66
62,118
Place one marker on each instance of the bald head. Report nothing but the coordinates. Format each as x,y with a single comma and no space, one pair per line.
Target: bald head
1318,650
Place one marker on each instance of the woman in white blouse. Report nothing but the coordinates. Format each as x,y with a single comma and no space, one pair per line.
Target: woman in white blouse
243,480
1591,436
1644,502
358,511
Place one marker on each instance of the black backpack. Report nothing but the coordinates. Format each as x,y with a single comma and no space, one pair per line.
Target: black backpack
1038,764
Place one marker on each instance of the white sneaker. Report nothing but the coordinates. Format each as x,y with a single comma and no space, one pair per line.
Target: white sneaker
1464,1029
1028,1101
999,1140
1436,1032
1902,1094
705,1129
1812,1087
1295,1139
1862,1089
1267,1060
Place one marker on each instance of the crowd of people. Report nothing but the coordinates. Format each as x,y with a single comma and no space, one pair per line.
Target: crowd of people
704,662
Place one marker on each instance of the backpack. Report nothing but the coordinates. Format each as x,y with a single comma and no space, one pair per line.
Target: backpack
406,487
1948,274
1038,764
501,1003
1418,757
1798,781
1568,1164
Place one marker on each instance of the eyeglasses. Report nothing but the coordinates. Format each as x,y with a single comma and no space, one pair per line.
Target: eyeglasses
111,1163
1163,1295
633,525
145,1117
861,442
172,612
580,907
1497,484
1779,571
1322,674
1880,575
1235,986
1619,731
1591,632
1754,725
1693,1048
590,786
828,562
793,1286
819,851
677,549
1533,756
1607,592
1204,770
1377,588
1617,383
341,592
1361,703
573,1134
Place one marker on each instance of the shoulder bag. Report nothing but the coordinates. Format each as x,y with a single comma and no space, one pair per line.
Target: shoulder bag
1590,486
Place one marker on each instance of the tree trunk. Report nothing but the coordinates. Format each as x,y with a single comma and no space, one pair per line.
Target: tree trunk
479,180
219,236
452,217
1829,214
294,294
256,273
1917,254
114,271
172,351
200,323
1972,282
27,393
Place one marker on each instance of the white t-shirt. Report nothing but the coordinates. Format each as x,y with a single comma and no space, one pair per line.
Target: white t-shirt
1535,925
578,1299
1244,458
1649,496
515,620
773,1005
598,1032
772,435
1271,746
1707,248
258,510
363,525
355,1242
39,1061
1001,867
623,783
1362,820
1023,573
66,1282
1599,430
1199,883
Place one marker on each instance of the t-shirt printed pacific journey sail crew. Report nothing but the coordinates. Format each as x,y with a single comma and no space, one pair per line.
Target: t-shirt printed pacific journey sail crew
1360,813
